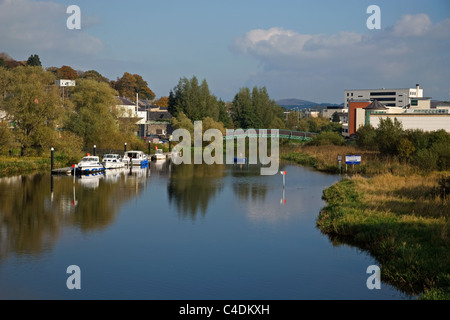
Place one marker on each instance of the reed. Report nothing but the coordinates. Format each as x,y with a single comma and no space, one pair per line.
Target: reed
402,221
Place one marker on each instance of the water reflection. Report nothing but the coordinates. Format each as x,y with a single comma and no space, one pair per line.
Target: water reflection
35,208
191,187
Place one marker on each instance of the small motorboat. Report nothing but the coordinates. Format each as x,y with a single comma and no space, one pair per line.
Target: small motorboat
159,155
135,158
113,161
89,164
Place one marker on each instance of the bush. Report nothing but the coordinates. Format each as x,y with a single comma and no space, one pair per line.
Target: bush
327,138
366,137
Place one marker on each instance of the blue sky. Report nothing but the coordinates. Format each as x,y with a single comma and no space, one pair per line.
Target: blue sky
311,50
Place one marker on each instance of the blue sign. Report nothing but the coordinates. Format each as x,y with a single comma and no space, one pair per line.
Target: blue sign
352,159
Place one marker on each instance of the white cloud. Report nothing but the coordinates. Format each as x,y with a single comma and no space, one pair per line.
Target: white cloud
412,25
413,50
28,27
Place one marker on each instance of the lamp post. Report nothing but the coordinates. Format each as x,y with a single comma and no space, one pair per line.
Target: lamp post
95,148
149,146
125,147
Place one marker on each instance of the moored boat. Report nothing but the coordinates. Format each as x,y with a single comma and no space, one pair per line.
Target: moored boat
159,155
135,158
112,161
89,164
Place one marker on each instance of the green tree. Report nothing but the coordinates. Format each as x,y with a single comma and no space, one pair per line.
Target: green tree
336,117
224,116
405,149
243,112
94,75
92,118
33,103
389,134
6,138
193,99
293,120
34,61
366,137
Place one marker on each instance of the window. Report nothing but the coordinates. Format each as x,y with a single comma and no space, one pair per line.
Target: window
414,102
386,99
382,94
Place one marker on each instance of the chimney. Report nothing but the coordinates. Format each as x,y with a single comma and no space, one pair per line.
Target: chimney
417,90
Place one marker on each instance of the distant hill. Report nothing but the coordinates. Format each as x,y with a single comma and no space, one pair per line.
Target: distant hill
302,104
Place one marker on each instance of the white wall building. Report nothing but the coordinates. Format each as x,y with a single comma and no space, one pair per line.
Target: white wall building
388,97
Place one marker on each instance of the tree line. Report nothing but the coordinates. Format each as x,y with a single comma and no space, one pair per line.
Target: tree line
426,150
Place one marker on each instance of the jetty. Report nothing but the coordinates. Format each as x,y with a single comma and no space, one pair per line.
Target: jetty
62,171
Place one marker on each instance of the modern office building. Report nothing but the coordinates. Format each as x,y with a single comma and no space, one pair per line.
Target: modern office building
401,98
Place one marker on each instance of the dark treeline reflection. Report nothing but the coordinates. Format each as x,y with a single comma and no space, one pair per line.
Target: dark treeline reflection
191,187
33,209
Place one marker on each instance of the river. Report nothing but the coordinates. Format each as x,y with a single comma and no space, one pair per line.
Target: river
167,232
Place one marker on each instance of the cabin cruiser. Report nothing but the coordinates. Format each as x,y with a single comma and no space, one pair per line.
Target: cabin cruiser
113,161
135,158
89,164
159,155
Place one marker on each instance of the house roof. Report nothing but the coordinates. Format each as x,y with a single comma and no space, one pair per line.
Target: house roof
126,101
153,116
375,105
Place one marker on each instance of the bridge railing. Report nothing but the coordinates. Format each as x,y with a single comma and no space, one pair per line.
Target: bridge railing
282,134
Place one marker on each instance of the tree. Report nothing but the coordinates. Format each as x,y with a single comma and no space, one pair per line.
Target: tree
336,117
256,110
67,73
162,102
129,85
94,75
193,99
34,61
92,119
405,149
33,103
224,116
6,137
366,137
389,133
142,88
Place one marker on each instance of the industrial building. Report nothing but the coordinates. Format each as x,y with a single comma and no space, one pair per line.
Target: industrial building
370,106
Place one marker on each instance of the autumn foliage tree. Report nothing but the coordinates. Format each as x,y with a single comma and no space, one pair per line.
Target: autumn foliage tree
130,84
66,72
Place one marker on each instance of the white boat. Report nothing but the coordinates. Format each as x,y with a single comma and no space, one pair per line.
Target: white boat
159,155
89,164
113,161
135,158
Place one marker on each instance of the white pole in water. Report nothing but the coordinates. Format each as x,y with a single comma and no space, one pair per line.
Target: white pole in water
283,173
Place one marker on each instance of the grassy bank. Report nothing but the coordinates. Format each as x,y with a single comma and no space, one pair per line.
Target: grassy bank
402,221
10,166
325,159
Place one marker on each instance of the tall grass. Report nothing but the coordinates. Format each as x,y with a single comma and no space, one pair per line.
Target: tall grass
325,158
402,221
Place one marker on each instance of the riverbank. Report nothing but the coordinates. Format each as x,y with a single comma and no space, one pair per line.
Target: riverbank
325,159
10,166
402,221
396,212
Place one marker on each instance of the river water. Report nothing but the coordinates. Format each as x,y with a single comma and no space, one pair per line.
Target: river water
167,232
